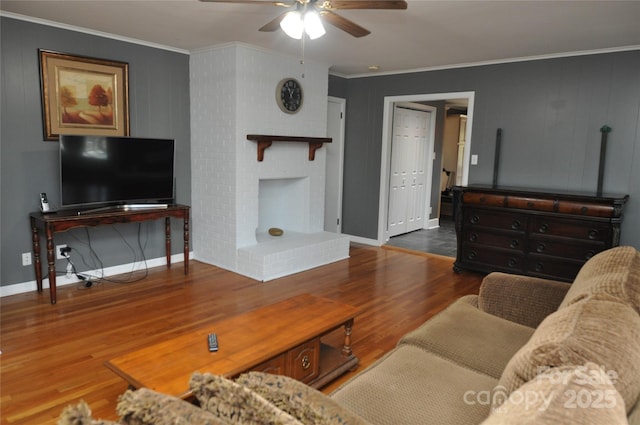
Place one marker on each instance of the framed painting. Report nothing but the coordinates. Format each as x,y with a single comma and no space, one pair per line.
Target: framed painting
82,95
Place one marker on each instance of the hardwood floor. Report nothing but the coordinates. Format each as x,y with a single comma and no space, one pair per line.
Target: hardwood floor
53,355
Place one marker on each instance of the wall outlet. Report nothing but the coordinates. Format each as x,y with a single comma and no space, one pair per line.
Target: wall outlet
59,255
474,159
26,258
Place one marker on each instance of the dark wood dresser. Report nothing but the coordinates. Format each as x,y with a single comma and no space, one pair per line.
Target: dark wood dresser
533,232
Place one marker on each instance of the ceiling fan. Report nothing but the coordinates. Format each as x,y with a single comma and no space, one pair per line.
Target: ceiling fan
305,15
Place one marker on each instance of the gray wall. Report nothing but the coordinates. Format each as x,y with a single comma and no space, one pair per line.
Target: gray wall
550,112
159,107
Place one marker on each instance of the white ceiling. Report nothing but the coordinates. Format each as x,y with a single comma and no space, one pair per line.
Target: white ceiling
429,34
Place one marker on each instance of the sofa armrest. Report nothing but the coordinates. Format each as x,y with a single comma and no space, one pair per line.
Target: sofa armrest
522,299
470,299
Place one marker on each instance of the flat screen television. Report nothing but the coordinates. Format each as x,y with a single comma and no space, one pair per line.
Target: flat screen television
115,171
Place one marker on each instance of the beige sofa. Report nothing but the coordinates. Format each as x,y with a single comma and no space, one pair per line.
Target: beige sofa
523,351
460,366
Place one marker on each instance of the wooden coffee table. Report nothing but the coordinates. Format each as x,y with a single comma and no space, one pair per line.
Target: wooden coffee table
282,338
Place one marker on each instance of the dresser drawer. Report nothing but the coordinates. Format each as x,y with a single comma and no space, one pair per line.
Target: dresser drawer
303,362
591,210
497,238
534,204
557,248
495,219
484,199
494,259
584,230
552,267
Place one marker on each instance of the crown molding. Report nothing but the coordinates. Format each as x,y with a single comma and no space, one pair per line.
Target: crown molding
492,62
90,32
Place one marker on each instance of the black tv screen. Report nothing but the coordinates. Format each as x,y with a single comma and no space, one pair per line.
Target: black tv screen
100,170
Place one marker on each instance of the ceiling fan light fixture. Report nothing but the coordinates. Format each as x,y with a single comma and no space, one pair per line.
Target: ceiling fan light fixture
313,25
292,25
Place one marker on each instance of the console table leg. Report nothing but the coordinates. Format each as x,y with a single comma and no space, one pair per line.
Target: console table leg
37,264
167,240
186,242
346,349
51,260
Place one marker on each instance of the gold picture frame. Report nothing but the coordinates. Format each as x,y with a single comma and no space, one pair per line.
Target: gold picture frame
83,95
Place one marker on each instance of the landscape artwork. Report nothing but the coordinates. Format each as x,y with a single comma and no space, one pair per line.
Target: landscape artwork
84,96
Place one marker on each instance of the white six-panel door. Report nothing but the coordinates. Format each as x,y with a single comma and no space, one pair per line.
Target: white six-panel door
407,182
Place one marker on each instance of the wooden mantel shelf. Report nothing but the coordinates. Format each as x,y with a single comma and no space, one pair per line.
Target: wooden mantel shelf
264,141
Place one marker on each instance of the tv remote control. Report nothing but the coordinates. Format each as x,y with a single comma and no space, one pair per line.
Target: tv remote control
213,342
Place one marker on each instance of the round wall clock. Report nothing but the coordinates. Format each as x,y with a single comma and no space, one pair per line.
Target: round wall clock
289,95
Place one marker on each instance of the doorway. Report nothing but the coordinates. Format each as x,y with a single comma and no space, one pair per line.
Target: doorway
433,178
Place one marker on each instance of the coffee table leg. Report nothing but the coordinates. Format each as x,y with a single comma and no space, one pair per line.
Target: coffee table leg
346,349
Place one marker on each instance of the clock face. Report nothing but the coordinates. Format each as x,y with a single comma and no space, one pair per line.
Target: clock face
289,95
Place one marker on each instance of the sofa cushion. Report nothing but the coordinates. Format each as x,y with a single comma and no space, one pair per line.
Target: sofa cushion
308,405
411,386
147,407
235,403
615,272
564,395
473,338
599,329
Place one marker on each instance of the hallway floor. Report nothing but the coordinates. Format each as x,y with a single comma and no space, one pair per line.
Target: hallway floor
441,240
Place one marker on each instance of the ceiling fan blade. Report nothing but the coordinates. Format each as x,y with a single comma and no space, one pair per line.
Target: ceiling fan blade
267,2
344,24
273,25
361,4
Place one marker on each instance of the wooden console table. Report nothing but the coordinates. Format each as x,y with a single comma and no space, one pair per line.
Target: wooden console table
64,220
282,338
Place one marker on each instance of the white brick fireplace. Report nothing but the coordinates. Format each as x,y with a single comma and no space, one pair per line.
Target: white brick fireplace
237,198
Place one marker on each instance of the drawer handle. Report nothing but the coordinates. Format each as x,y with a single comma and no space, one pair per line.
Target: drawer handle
544,228
513,262
471,255
593,234
473,237
516,224
306,362
541,247
539,267
514,243
475,219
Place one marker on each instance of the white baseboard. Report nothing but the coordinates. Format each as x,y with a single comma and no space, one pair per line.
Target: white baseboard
364,241
21,288
432,223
